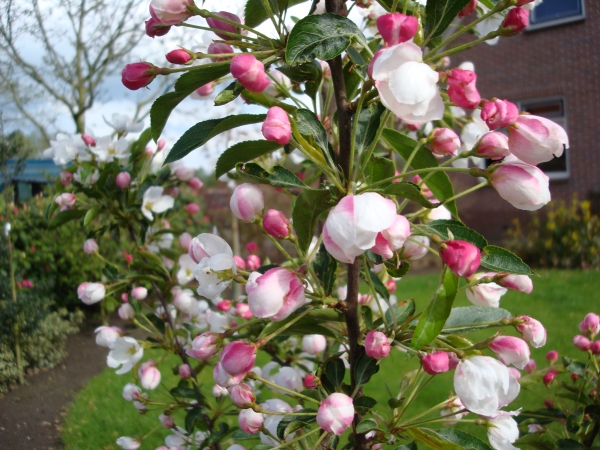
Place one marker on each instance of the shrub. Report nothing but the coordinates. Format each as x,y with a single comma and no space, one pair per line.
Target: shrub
567,236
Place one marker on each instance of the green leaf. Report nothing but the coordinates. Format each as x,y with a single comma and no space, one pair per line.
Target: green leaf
432,439
465,440
90,215
378,169
366,367
192,416
499,259
202,132
439,14
335,371
290,424
242,152
310,125
66,216
377,284
325,267
313,319
309,205
323,36
364,404
397,271
437,312
411,446
458,230
410,191
281,177
438,182
467,317
368,124
138,147
229,94
255,14
186,393
311,74
185,85
366,425
569,444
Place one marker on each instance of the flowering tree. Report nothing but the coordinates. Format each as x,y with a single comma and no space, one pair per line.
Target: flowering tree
373,116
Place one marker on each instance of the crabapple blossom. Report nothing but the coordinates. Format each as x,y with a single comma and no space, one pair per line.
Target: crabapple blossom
128,443
90,246
154,28
276,224
335,413
219,391
492,145
65,200
216,48
314,343
252,262
438,213
126,311
552,356
243,310
406,85
517,18
311,381
205,346
105,335
462,88
66,178
170,12
124,352
498,113
535,140
392,238
275,294
107,150
149,375
590,324
215,264
138,75
123,124
520,283
271,421
485,294
353,224
154,201
595,348
247,202
131,392
396,28
166,421
437,362
511,350
276,126
582,343
224,379
250,421
461,257
241,395
484,384
139,293
443,142
549,376
223,26
238,357
250,72
195,183
186,264
178,56
123,180
502,430
90,293
532,330
377,345
415,247
185,371
530,366
522,185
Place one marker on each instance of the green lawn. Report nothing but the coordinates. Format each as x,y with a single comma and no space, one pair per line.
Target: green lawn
560,299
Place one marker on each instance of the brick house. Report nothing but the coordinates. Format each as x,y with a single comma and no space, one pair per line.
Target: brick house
551,70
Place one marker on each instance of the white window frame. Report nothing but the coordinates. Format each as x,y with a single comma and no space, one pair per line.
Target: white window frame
524,104
553,23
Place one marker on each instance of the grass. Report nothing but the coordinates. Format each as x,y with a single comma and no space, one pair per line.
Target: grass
560,299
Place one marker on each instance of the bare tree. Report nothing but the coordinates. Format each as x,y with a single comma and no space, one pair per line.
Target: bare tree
82,41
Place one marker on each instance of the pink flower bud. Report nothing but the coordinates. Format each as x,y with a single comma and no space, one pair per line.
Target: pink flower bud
170,12
530,366
205,346
66,178
252,262
390,285
241,395
276,126
413,250
582,343
549,378
128,258
131,392
126,311
154,28
250,72
276,224
595,347
184,240
90,246
275,294
552,356
532,331
125,297
224,379
444,141
138,75
252,247
167,422
65,200
499,113
469,9
90,293
238,357
393,238
336,413
239,262
462,88
250,421
514,373
461,257
377,345
492,145
523,186
184,173
217,48
396,28
590,324
123,180
195,183
311,381
434,363
549,403
535,140
224,305
247,202
220,25
243,311
139,293
192,208
178,56
424,189
518,18
453,360
149,375
511,350
523,2
185,371
314,343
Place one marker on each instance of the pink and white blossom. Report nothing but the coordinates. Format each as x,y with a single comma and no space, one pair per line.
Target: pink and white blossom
124,352
502,430
461,257
392,238
205,346
522,185
247,202
535,140
216,265
90,246
250,72
90,293
276,126
511,350
170,12
128,443
106,335
154,201
436,362
590,324
335,414
485,294
415,247
314,343
532,330
275,294
149,375
250,421
238,357
377,345
276,224
396,28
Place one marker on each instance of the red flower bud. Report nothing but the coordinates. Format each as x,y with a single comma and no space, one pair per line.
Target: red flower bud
178,56
461,257
518,18
138,75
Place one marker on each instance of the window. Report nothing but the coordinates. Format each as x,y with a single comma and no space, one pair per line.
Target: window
556,12
553,109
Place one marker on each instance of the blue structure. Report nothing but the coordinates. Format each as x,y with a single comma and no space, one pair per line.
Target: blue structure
31,181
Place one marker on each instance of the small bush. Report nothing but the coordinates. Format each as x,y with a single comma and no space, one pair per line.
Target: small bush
566,236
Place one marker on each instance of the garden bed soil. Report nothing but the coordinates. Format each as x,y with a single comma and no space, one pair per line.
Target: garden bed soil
31,415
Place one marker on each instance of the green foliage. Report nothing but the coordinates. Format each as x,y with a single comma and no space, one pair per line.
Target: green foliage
564,236
440,14
242,152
